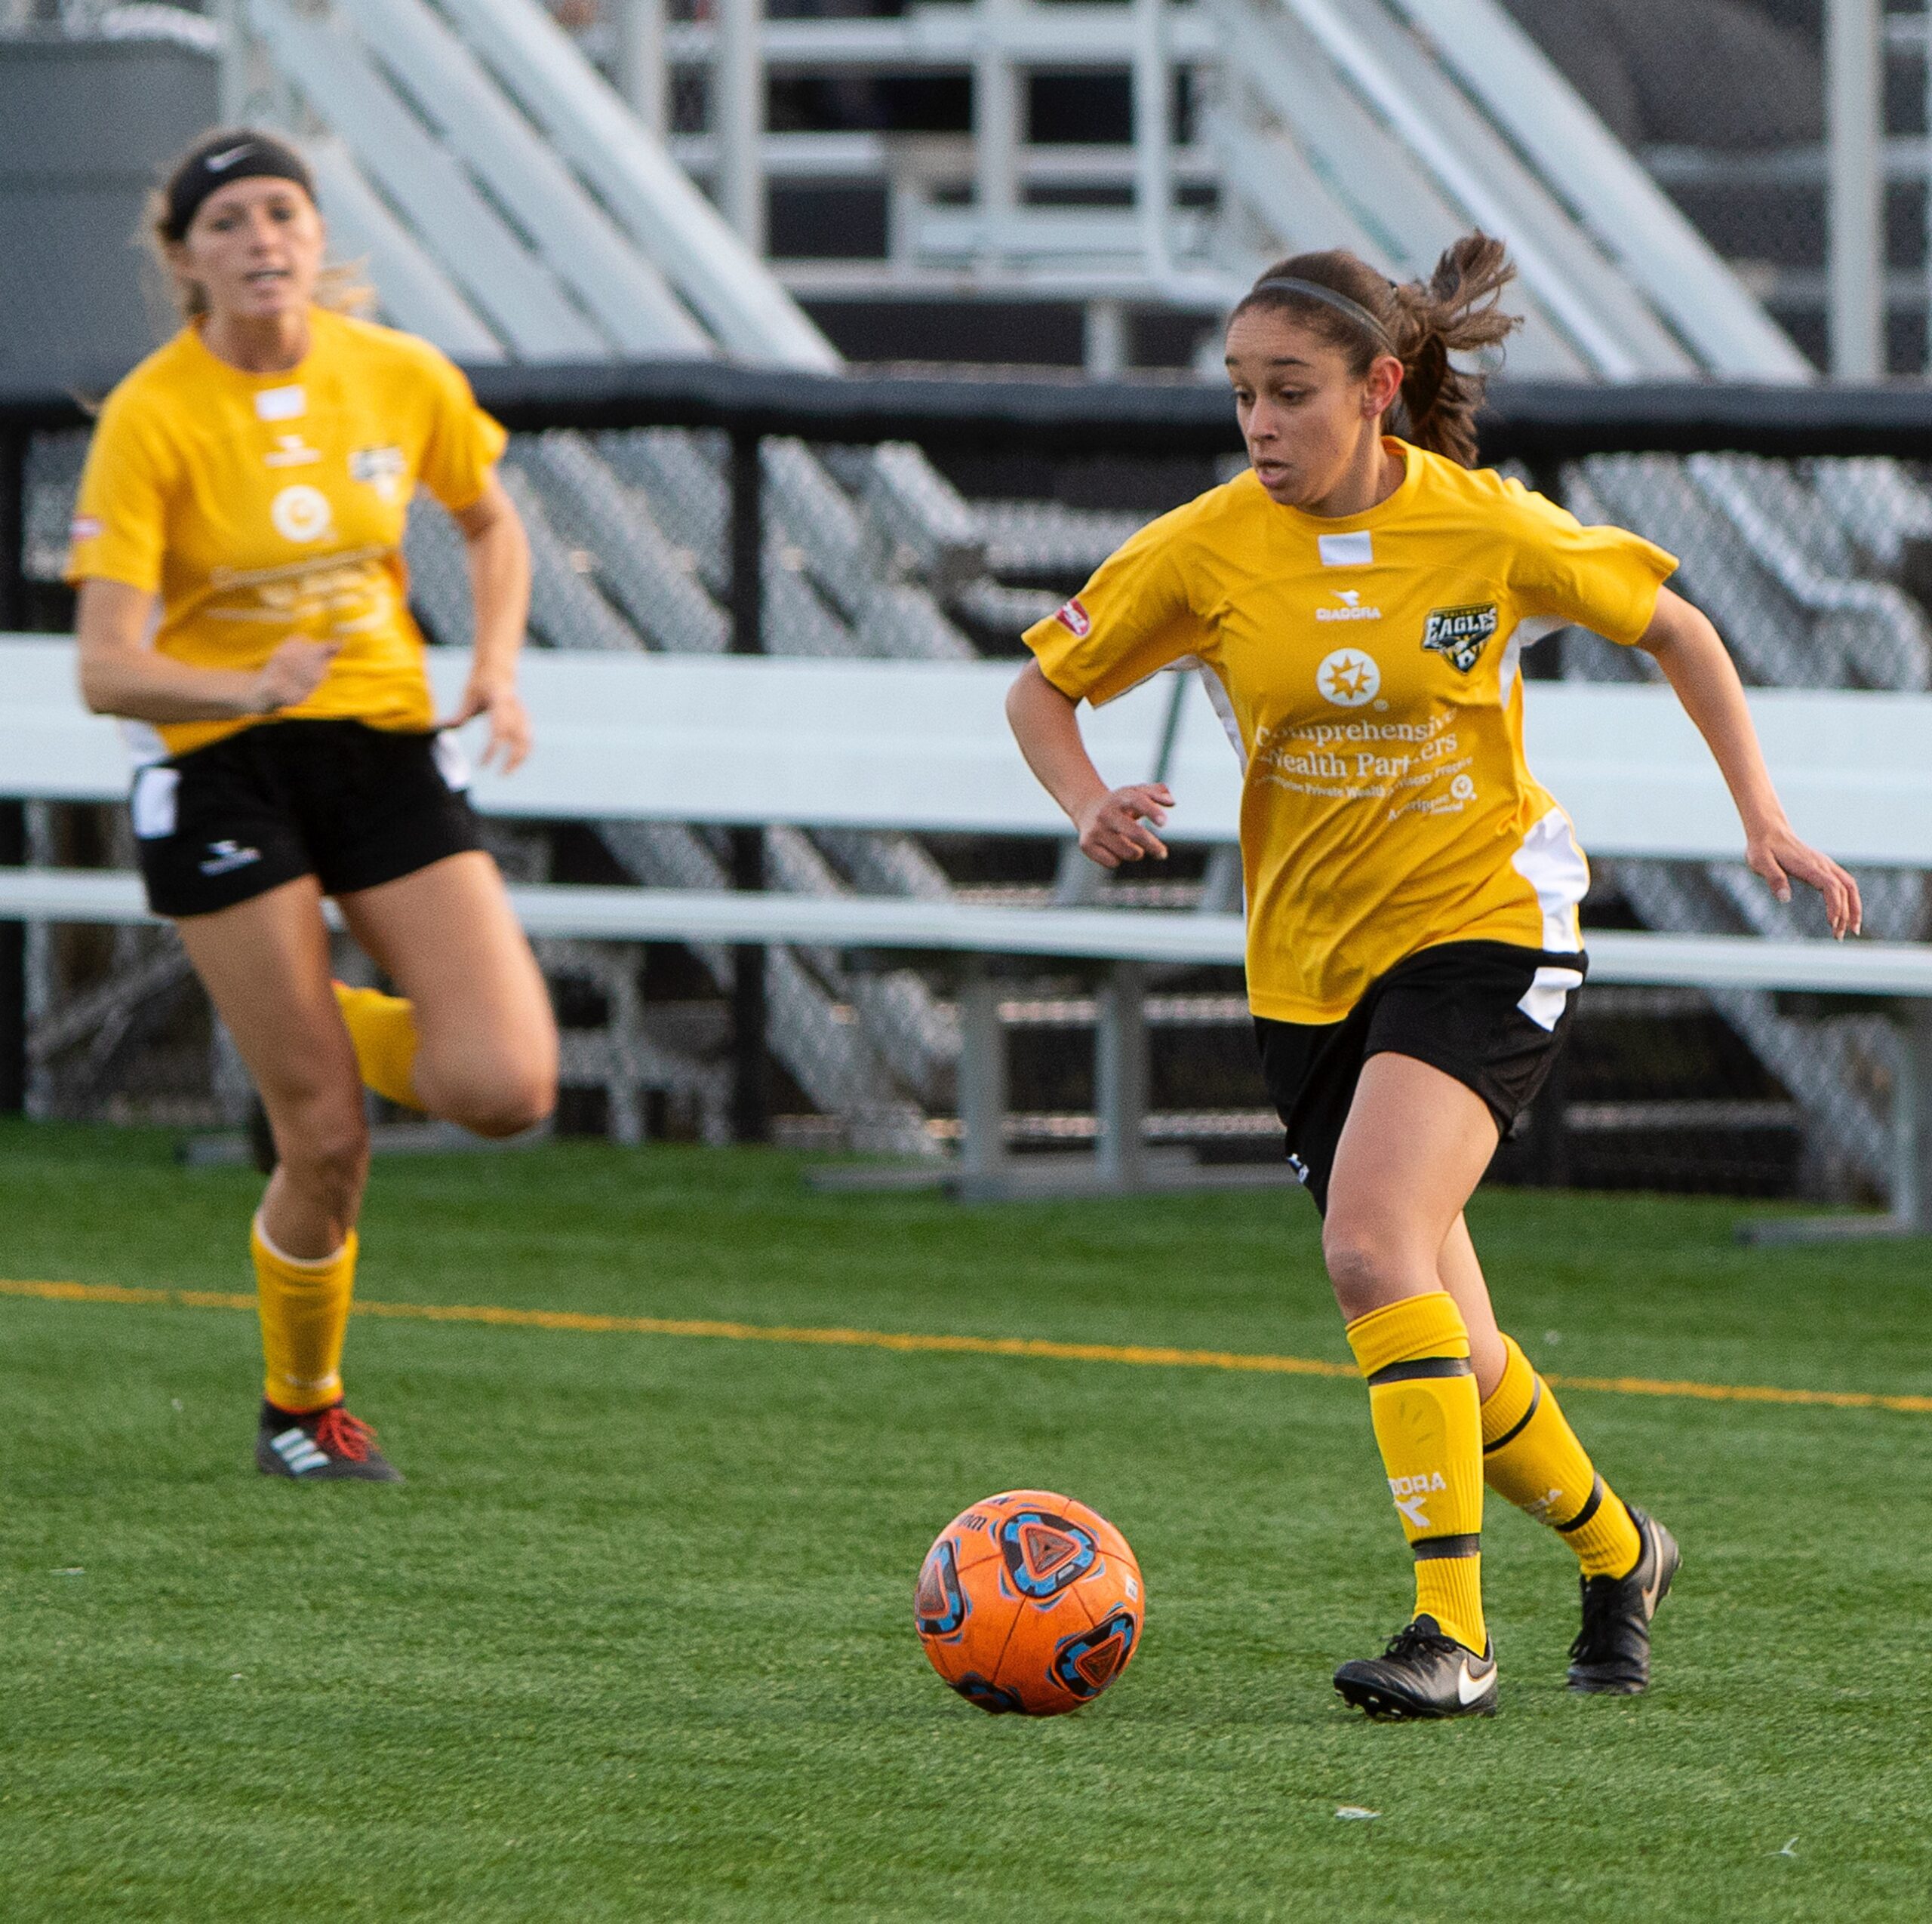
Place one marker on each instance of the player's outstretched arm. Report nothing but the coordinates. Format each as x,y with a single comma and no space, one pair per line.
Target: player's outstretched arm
122,675
1697,665
498,556
1114,823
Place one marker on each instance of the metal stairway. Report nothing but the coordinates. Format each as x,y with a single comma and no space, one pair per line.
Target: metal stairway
1395,125
509,205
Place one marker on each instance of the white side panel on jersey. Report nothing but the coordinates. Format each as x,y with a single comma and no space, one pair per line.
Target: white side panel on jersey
1526,634
1551,863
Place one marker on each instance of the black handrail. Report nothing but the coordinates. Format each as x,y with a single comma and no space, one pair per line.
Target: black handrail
1533,421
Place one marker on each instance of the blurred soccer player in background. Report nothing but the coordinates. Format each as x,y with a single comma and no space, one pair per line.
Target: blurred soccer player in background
1359,603
237,548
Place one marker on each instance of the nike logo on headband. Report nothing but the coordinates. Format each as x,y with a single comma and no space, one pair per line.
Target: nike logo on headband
215,163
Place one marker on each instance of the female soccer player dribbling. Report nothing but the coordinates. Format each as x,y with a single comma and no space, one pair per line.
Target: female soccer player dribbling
1359,603
247,485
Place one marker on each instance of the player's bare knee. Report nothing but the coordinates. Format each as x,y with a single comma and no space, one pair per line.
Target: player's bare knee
1368,1266
507,1102
325,1150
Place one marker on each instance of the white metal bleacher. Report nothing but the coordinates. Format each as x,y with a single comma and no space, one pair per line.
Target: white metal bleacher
924,747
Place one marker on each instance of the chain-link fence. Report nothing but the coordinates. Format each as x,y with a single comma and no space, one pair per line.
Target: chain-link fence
1816,568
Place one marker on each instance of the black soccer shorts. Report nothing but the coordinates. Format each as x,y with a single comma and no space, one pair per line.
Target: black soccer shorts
353,806
1492,1015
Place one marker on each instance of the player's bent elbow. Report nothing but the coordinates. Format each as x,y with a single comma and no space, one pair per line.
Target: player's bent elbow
100,691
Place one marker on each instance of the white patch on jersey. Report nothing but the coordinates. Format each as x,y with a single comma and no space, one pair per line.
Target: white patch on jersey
301,513
1348,678
1346,551
1551,863
288,403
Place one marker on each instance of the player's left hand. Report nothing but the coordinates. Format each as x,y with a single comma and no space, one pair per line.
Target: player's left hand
1777,855
510,721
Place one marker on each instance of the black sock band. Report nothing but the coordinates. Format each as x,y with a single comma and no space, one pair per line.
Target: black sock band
1429,1548
1592,1505
1423,1366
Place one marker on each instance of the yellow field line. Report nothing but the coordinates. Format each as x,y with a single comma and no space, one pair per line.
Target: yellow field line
1144,1356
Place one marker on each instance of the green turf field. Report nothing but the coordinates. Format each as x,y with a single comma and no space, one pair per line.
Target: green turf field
635,1641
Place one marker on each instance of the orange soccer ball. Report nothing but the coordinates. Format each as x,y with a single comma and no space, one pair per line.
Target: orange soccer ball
1030,1602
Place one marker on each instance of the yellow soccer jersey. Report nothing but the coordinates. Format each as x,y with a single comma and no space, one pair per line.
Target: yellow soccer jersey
265,507
1368,667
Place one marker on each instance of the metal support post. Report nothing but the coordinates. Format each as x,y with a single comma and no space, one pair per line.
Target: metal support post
13,529
1120,1076
982,1082
998,126
640,61
1104,349
1911,1211
1153,134
232,84
1912,1123
750,1095
1854,133
737,119
13,814
12,973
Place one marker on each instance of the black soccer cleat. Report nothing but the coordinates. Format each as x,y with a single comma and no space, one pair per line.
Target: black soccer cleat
1423,1673
323,1446
1611,1656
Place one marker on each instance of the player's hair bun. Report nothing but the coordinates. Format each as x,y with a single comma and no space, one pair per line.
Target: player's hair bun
1422,322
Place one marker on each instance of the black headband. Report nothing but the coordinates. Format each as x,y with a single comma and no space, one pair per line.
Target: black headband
1314,290
222,158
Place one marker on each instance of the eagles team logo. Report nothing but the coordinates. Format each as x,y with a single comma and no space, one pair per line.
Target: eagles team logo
382,469
1458,634
1072,616
300,513
1348,677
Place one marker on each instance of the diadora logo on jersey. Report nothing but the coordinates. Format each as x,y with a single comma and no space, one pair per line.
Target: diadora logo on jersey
84,527
1348,677
224,856
292,451
1351,610
379,468
300,513
1072,616
1458,634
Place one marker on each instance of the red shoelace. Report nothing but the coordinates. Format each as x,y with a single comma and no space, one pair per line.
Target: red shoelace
342,1434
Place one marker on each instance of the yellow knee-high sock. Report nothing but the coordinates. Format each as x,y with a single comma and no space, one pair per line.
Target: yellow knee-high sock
305,1310
383,1029
1422,1400
1531,1456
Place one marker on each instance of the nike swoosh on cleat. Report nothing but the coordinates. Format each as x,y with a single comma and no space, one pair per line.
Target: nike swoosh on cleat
1649,1590
1469,1689
215,163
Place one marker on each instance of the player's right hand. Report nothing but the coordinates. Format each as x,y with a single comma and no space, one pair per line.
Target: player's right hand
292,674
1119,827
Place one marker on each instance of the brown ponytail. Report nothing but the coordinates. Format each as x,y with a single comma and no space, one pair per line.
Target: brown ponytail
1422,324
